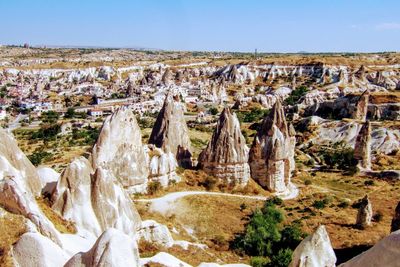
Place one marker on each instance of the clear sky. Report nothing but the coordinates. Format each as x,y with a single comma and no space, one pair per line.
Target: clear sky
213,25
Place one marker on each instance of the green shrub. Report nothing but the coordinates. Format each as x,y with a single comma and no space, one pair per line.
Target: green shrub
209,183
308,182
295,95
369,183
282,259
319,204
378,216
153,187
39,157
259,261
213,111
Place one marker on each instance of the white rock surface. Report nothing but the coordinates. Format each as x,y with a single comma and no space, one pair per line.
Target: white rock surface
35,250
162,166
119,149
112,249
48,179
164,259
94,201
314,251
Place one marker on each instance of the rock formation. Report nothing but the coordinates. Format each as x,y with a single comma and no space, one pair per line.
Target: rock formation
119,150
94,201
364,215
362,148
33,249
17,160
314,251
396,219
361,108
226,155
385,253
112,249
170,131
271,156
162,166
19,185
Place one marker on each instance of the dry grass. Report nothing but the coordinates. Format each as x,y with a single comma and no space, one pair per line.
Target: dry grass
340,220
62,225
12,227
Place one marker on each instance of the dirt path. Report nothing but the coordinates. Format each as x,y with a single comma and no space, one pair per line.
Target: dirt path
166,203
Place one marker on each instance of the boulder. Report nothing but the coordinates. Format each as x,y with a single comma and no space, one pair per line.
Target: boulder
314,251
119,150
35,250
271,157
170,131
112,249
226,155
364,215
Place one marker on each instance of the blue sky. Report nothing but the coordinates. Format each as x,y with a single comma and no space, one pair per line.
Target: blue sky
213,25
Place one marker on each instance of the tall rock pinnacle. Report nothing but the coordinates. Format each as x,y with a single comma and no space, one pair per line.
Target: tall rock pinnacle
362,149
361,108
170,131
119,149
226,155
271,156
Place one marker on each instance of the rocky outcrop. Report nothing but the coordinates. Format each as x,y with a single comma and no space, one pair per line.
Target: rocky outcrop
396,219
385,253
361,108
120,151
314,251
364,215
170,131
33,249
19,184
271,156
162,166
362,148
226,155
10,152
112,249
94,200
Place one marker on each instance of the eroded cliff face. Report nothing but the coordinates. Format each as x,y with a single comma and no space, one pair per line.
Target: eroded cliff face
120,151
170,131
226,155
271,156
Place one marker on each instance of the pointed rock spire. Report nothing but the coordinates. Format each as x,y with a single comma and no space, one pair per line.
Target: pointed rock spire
362,148
364,215
271,156
314,251
226,155
170,131
119,149
361,108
